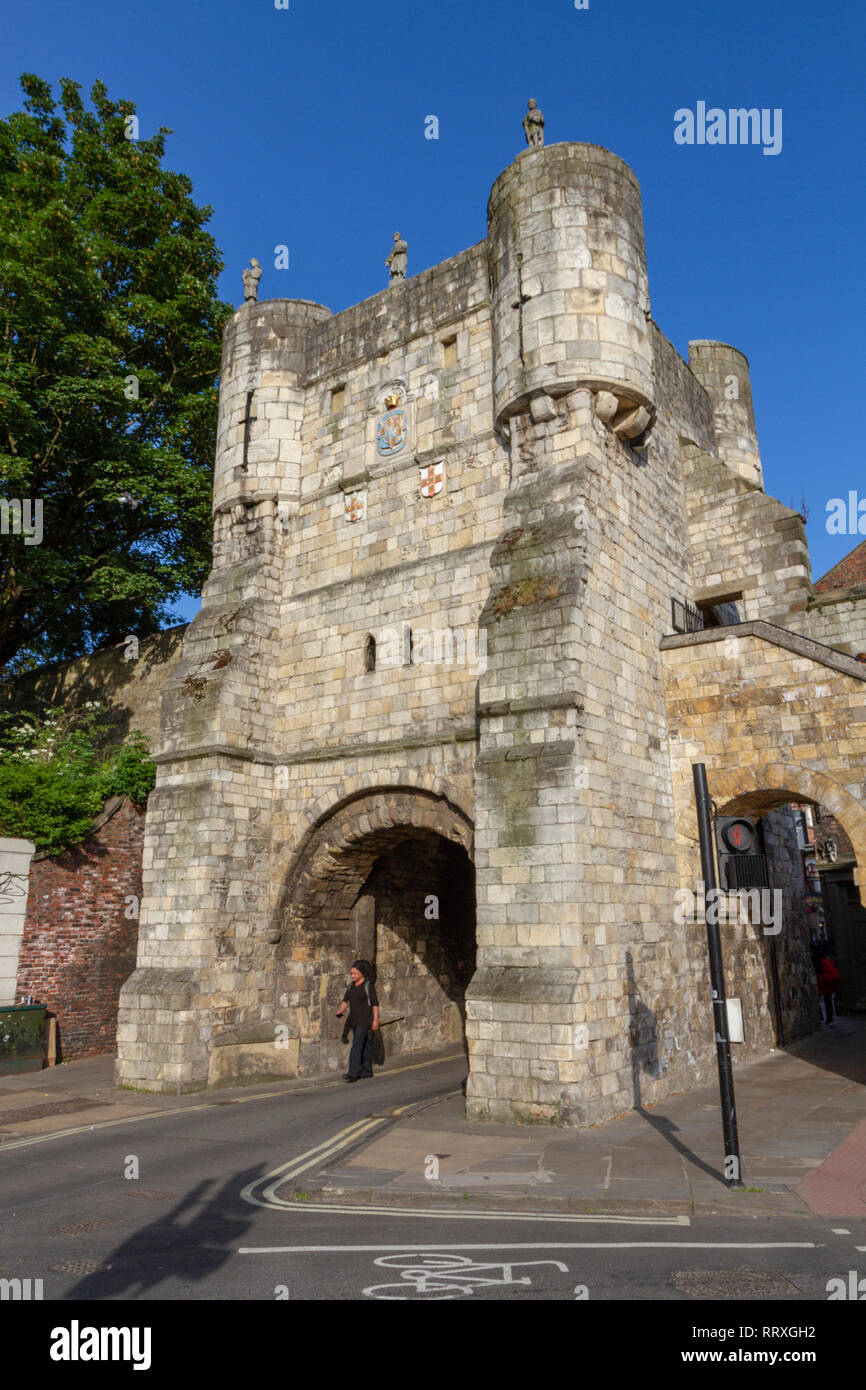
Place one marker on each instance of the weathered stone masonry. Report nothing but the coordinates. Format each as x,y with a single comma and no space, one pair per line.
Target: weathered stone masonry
312,803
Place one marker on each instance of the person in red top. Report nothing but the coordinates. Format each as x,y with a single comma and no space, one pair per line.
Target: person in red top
828,981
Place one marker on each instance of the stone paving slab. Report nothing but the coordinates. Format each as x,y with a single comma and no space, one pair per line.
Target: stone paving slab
795,1113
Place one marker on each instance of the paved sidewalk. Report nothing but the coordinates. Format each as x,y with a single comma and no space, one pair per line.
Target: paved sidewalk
802,1126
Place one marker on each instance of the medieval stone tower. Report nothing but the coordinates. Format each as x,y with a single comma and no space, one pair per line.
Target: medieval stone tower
435,711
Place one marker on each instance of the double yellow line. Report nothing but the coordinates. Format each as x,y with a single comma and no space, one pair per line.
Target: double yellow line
343,1139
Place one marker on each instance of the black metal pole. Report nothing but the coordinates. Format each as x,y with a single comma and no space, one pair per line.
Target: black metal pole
733,1176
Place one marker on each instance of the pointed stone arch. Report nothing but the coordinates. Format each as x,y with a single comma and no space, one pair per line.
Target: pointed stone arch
757,789
356,884
339,849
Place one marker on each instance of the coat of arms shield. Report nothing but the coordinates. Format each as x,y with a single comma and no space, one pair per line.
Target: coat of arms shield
356,506
432,478
391,433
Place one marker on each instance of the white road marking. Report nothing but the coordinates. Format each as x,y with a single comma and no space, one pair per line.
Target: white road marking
532,1245
839,1231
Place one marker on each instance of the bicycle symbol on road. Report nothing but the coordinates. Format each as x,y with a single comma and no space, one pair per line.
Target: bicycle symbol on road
439,1276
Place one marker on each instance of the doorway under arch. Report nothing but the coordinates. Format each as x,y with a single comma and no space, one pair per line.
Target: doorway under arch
386,876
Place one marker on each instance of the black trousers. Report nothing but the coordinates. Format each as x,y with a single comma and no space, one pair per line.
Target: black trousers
360,1057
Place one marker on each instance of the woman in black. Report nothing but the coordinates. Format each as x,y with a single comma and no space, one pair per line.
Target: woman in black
363,1002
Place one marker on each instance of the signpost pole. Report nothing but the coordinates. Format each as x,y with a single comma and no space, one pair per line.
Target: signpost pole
717,981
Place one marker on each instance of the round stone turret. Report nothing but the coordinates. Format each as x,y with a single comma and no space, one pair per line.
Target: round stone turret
569,290
724,374
258,451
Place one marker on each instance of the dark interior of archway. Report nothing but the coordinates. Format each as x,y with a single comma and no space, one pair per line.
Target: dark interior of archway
421,933
821,905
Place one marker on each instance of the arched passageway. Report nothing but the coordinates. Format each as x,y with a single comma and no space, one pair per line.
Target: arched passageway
388,877
769,965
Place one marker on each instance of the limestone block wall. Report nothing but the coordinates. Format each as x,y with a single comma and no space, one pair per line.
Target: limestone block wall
744,543
572,780
203,952
837,618
408,564
723,371
262,400
682,403
129,685
576,1011
435,477
350,580
775,718
776,707
568,277
206,967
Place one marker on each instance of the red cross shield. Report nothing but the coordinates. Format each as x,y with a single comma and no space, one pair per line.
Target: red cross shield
432,478
356,506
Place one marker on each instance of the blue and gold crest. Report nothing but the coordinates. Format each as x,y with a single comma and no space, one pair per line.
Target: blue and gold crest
391,433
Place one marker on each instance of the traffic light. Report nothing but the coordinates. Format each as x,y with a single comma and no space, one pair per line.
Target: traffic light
741,865
735,835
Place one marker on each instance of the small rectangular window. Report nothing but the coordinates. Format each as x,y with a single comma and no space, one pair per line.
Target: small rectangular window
338,399
449,346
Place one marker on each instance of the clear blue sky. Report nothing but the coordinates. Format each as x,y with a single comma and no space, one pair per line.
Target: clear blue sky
305,127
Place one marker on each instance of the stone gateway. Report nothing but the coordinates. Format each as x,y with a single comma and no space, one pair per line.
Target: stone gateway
507,839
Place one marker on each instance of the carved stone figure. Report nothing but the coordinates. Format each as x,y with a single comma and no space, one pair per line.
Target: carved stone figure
251,277
398,258
533,126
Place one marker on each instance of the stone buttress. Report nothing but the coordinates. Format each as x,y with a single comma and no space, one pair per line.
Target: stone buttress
201,994
572,775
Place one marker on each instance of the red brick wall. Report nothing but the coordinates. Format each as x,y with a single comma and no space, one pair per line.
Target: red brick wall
78,947
850,570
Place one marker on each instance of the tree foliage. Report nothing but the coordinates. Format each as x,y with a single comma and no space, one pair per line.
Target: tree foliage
107,288
54,779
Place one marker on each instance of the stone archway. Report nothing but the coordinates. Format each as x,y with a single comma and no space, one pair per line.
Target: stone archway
772,973
752,791
387,875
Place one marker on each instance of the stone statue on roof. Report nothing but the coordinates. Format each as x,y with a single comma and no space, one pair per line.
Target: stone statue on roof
398,258
251,277
533,126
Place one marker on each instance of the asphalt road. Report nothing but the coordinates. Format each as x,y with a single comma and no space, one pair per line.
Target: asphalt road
202,1221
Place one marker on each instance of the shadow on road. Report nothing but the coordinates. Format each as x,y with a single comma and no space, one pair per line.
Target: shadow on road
192,1239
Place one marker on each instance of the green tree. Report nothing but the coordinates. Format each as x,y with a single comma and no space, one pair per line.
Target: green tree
56,773
108,370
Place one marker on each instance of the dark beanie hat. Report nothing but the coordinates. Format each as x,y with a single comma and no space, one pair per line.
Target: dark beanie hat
363,966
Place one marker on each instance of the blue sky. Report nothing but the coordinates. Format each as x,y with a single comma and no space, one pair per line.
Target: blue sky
305,127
